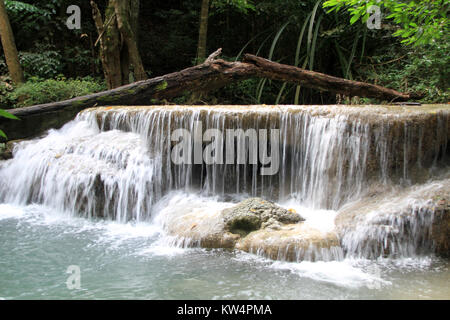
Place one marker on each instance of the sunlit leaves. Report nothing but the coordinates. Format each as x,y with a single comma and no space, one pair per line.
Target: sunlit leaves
420,22
8,115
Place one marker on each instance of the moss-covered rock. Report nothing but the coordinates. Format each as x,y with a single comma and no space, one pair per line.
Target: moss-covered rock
6,149
254,213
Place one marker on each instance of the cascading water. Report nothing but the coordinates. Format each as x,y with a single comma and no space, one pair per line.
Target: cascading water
116,162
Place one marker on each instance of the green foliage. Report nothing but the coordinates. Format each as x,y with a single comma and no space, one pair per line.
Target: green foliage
30,17
5,93
288,31
242,92
161,86
307,30
8,115
79,61
420,22
20,7
2,134
47,46
45,64
37,91
243,6
421,69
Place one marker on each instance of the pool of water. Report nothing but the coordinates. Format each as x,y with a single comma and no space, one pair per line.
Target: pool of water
134,261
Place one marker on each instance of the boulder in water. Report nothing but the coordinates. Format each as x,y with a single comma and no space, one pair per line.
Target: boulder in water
6,149
256,226
256,213
292,242
203,229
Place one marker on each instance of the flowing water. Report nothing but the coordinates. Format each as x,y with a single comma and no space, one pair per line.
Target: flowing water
98,193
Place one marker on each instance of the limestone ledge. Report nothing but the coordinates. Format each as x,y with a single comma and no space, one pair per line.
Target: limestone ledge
419,214
256,226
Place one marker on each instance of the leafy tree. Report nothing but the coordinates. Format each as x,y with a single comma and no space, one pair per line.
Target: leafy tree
34,20
420,22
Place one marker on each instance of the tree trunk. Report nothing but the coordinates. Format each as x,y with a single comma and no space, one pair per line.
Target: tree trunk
203,32
109,39
9,46
124,16
118,42
210,75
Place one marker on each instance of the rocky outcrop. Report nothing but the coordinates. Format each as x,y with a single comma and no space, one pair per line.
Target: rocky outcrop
254,214
292,242
256,226
6,150
440,231
202,229
394,224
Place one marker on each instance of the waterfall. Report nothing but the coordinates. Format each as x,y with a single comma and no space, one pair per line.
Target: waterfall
115,162
403,224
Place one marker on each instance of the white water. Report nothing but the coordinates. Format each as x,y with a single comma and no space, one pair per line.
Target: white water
121,172
400,223
115,164
133,260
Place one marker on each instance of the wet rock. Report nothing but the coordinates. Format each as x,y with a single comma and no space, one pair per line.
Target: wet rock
292,242
440,231
397,223
256,213
6,149
256,226
5,154
202,229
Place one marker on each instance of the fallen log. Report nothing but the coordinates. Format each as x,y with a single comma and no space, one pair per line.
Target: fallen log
323,82
212,74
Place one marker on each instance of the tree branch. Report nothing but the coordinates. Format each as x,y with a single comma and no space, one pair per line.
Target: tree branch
210,75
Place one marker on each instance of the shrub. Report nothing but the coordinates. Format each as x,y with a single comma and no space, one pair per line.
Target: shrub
422,69
38,91
6,88
45,64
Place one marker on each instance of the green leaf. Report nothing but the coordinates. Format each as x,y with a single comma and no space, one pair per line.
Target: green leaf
8,115
275,40
313,45
2,134
355,18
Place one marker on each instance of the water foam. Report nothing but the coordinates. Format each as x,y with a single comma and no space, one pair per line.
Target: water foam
114,163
